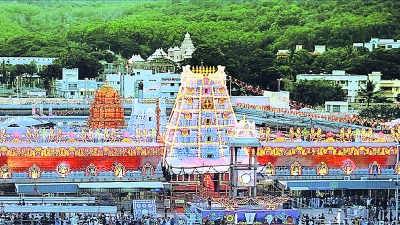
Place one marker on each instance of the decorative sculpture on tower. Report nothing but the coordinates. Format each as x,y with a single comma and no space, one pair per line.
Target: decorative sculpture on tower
106,110
202,120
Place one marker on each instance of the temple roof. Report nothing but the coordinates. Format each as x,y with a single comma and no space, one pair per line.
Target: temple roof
106,88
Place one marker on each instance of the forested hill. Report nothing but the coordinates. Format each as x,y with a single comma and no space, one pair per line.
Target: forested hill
246,34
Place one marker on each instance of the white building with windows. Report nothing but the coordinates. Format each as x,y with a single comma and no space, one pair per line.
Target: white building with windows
141,84
337,106
375,43
71,87
351,84
146,84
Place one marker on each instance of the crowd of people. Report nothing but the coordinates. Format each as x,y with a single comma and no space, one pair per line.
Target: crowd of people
81,219
353,210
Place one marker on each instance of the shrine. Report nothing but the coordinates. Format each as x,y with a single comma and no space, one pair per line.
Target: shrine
106,110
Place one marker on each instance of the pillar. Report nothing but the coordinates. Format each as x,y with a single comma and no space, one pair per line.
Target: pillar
255,171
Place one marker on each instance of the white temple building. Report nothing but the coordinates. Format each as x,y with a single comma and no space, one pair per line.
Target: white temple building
184,52
174,54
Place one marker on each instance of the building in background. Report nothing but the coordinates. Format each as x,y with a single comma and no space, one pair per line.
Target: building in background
337,106
71,87
375,43
39,61
390,89
146,84
186,50
351,84
318,50
161,61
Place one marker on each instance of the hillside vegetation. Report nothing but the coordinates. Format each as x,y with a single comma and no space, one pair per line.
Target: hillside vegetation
243,35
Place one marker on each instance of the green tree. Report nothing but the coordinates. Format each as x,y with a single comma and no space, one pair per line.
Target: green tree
369,92
49,74
87,64
315,92
382,111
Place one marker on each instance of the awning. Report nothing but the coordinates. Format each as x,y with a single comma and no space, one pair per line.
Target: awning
60,209
47,188
111,185
340,184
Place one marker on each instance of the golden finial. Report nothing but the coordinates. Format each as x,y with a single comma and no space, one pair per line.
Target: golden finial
244,117
206,69
213,69
106,81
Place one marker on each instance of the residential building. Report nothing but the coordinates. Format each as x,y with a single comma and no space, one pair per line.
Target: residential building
350,83
390,89
375,43
72,88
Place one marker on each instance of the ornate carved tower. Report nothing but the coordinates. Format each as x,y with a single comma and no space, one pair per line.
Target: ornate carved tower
202,119
106,110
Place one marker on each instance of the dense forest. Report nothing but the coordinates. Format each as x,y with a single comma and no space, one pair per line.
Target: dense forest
243,35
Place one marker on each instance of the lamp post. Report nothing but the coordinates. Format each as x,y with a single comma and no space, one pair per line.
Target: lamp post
230,85
397,188
279,84
3,78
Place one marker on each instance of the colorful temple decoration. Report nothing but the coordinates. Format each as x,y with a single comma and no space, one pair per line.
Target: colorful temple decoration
322,169
106,110
348,167
202,119
295,168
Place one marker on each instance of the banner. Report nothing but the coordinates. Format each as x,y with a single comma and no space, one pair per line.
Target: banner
144,208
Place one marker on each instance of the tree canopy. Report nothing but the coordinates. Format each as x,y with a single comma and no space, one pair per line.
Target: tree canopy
243,34
316,92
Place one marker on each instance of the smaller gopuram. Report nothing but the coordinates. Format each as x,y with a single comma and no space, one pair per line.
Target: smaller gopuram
106,111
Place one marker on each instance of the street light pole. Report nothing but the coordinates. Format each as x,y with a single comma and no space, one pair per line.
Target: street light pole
397,188
279,84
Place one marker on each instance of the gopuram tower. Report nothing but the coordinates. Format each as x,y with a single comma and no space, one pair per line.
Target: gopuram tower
202,119
106,110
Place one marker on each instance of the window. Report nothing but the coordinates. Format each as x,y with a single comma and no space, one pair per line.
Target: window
172,84
207,121
328,108
171,93
209,156
209,138
149,118
72,86
336,108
